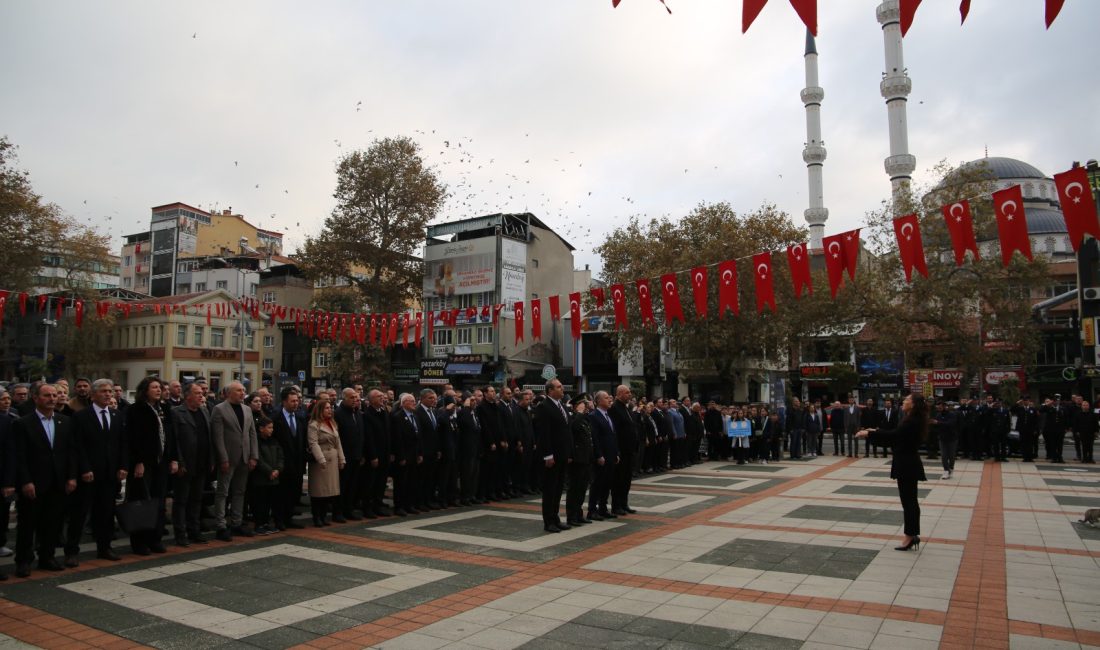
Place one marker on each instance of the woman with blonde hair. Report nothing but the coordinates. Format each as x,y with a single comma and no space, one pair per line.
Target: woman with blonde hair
327,459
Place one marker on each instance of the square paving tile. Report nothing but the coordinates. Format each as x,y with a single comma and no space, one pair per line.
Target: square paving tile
1084,502
851,515
876,491
805,559
768,469
1081,482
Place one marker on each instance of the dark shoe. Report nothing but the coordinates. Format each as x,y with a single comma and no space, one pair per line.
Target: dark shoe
293,525
242,531
141,550
107,554
414,511
593,516
71,561
400,512
50,565
630,511
181,540
339,519
224,535
564,526
608,515
353,518
22,570
586,520
618,512
318,522
158,548
197,538
551,529
914,544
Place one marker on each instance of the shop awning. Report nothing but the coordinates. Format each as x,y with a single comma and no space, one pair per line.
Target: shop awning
464,368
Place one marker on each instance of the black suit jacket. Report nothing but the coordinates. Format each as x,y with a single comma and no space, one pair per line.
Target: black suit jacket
376,431
36,461
605,443
491,431
349,423
295,447
890,422
143,439
906,463
625,429
553,432
469,434
185,451
101,452
7,450
405,439
429,431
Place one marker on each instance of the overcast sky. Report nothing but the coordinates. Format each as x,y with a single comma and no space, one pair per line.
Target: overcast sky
579,113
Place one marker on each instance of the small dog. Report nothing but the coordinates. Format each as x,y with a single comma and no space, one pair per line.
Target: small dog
1092,517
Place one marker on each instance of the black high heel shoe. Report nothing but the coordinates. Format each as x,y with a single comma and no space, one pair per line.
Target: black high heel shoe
914,544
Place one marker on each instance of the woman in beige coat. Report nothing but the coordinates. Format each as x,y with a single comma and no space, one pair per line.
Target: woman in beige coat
327,461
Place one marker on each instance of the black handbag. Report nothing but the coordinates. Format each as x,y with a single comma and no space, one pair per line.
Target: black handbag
139,515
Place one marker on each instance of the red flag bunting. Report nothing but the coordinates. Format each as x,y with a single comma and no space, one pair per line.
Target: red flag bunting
799,262
910,246
518,313
598,295
23,303
208,315
42,302
431,328
471,314
486,311
536,319
384,341
1078,205
727,288
807,11
851,252
699,290
618,299
834,261
393,329
373,336
555,308
79,307
3,304
908,10
762,281
750,9
645,301
1008,205
1053,7
961,228
419,328
405,330
670,293
496,312
964,10
575,314
59,310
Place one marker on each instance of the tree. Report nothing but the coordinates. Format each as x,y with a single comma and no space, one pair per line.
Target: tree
349,362
28,222
979,312
385,198
709,234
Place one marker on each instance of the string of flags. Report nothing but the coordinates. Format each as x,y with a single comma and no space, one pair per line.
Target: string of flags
840,251
807,11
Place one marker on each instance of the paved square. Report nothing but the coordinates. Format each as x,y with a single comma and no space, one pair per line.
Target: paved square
514,531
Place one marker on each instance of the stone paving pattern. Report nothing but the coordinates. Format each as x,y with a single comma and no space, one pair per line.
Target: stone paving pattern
785,555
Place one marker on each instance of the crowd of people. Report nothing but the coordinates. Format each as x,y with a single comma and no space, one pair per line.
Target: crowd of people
234,457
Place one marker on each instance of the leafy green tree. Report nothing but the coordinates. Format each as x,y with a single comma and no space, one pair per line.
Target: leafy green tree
385,198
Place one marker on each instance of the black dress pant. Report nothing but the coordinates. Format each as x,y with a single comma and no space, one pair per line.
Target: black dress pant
349,480
579,475
1055,440
447,479
620,485
39,520
602,475
907,490
1087,442
427,478
380,476
404,485
96,499
290,491
187,503
469,466
553,480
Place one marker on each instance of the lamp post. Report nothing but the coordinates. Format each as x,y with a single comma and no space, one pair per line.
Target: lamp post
48,322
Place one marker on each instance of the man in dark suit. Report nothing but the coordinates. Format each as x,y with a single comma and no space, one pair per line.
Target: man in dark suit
717,441
376,427
888,418
490,481
407,454
291,430
194,464
46,470
627,434
101,461
524,441
555,442
7,472
836,426
349,423
429,420
236,450
470,447
605,457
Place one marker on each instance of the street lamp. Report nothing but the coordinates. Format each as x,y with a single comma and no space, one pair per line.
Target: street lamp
48,322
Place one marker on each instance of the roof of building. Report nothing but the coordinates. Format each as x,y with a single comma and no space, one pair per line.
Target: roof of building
179,204
1041,221
489,221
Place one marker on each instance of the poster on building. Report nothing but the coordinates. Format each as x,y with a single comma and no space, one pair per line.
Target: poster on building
188,236
433,372
880,372
513,273
459,268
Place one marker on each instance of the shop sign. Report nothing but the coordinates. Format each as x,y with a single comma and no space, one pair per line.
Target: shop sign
432,372
943,378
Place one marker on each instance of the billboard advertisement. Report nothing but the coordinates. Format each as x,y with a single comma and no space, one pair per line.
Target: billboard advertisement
513,274
459,268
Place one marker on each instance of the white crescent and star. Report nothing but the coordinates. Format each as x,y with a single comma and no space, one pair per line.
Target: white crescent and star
830,247
670,287
762,269
574,305
699,278
909,225
1075,197
951,211
643,291
727,275
618,295
797,251
1009,213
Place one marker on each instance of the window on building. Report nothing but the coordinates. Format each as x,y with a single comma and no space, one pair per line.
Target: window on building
217,337
183,288
442,337
269,296
110,339
127,261
160,335
127,282
252,288
181,335
464,335
144,281
1061,287
198,336
1049,244
200,287
250,340
322,360
269,364
269,341
143,341
236,344
221,284
485,335
1053,352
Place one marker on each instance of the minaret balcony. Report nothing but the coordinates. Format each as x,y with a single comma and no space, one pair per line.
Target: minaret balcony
813,153
896,86
813,95
900,165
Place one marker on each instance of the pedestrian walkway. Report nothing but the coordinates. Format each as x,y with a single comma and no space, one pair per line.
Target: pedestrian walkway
784,555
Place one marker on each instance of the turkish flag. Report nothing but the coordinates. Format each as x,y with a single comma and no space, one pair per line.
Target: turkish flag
618,299
519,320
699,290
1078,205
208,315
727,288
334,324
645,301
671,294
851,252
597,293
4,303
961,228
750,9
1008,205
762,277
23,303
79,311
536,319
496,313
834,261
555,308
373,328
384,341
908,10
471,314
910,246
485,311
42,302
964,10
430,329
405,330
1053,7
419,328
799,261
807,11
575,314
361,331
454,316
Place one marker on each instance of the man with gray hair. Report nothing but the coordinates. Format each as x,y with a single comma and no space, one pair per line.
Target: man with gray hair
236,450
407,455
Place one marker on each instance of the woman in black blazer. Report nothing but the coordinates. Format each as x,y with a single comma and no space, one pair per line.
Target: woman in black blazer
906,466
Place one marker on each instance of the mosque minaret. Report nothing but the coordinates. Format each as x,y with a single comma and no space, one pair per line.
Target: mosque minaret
895,88
814,151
